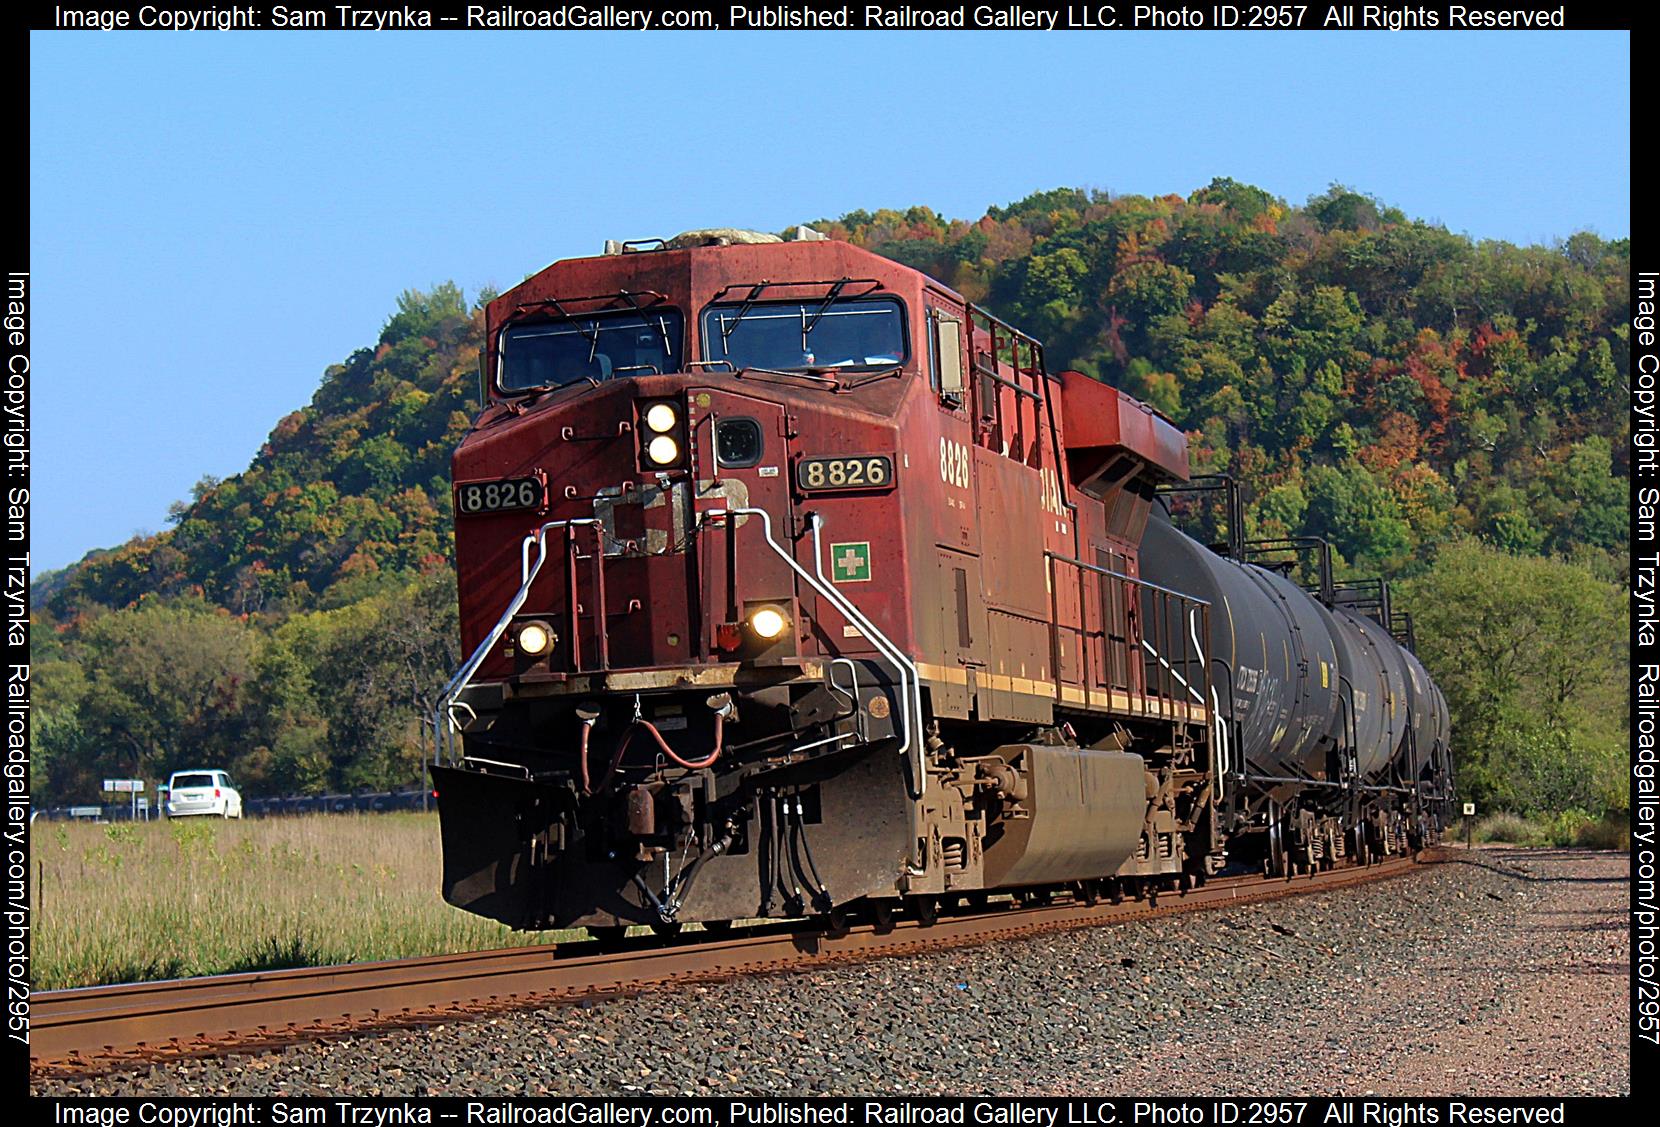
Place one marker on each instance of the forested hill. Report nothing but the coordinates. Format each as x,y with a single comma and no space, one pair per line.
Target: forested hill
1375,380
1379,381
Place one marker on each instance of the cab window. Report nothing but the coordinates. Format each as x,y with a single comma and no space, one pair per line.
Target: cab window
553,353
854,334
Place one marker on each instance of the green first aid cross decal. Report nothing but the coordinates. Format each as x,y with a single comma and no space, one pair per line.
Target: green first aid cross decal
850,563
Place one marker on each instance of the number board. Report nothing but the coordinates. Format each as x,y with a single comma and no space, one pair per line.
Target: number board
862,471
475,497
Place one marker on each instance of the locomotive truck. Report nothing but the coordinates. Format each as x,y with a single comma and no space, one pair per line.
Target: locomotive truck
795,584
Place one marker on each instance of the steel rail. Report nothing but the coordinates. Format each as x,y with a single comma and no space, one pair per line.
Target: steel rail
91,1029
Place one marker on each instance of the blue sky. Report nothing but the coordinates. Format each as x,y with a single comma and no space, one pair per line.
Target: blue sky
216,218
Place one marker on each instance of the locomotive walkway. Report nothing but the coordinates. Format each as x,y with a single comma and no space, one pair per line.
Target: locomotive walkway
88,1030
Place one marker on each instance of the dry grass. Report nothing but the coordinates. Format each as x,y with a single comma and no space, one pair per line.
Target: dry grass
129,902
1612,831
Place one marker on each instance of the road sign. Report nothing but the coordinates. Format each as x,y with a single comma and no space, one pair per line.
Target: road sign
124,786
1469,810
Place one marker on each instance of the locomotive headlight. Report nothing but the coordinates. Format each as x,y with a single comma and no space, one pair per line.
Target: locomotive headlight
663,450
767,623
535,639
661,417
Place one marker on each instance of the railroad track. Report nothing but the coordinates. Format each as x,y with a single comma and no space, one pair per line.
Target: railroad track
75,1032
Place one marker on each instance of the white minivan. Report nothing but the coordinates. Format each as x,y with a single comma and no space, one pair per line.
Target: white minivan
202,792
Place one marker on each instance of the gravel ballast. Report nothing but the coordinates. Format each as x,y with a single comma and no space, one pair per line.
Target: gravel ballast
1498,972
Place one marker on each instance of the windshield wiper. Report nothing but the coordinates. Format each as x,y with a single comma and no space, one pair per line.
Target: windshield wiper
725,328
808,325
662,329
589,334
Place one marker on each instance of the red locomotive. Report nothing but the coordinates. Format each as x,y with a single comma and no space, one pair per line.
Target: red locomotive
793,581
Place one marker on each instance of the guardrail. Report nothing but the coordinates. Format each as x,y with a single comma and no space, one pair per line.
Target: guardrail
375,802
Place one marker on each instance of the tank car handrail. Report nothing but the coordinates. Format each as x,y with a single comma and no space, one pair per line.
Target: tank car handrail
1136,579
910,744
463,676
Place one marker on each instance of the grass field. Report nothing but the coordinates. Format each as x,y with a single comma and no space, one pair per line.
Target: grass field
1612,831
128,902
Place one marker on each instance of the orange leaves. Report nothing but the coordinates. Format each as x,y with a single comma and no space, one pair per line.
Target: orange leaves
1399,440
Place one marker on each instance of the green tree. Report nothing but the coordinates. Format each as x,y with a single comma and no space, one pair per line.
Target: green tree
166,687
1532,655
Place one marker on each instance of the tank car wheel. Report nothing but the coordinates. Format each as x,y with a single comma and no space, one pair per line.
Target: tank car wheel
1115,891
1088,893
718,927
1365,854
1152,892
665,929
977,901
926,909
836,923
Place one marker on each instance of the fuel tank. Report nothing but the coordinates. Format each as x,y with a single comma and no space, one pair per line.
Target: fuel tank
1277,647
1084,814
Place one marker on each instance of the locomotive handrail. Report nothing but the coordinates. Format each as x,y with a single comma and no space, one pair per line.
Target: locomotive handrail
908,676
1010,384
1186,659
911,690
1191,603
445,710
1127,578
1171,669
